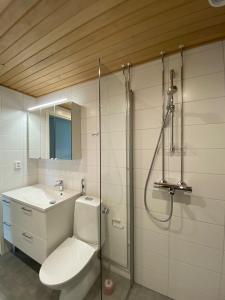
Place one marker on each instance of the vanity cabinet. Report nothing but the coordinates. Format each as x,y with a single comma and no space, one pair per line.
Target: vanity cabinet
37,233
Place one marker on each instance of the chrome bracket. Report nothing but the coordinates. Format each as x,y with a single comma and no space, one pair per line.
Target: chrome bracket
105,210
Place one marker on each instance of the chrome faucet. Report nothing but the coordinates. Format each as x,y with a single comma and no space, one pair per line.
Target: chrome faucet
83,186
60,184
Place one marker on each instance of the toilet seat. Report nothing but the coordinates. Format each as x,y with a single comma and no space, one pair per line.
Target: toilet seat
66,262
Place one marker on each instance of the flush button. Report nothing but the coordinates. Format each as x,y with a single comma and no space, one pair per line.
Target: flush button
88,198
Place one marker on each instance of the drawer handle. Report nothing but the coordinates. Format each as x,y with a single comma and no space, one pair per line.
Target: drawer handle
26,209
7,224
6,201
27,236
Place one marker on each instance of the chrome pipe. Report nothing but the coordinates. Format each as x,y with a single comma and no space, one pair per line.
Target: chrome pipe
182,119
100,170
171,91
172,148
182,185
129,170
163,115
83,192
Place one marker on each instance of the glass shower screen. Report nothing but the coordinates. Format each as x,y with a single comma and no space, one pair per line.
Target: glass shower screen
115,119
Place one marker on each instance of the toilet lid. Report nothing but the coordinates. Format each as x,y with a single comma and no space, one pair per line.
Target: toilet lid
66,262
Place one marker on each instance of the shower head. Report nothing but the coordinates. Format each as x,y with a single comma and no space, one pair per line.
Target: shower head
172,89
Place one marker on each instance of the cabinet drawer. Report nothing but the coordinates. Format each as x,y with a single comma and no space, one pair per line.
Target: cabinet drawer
30,244
7,209
8,232
30,220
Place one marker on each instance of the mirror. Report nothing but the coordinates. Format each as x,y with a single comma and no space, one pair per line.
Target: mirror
34,134
55,132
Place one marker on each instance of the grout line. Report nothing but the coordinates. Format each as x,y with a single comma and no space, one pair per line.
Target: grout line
182,217
208,198
201,124
221,98
204,148
200,76
180,261
185,79
202,173
178,238
186,125
177,171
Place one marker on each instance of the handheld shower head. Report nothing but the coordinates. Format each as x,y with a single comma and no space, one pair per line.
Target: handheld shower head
172,89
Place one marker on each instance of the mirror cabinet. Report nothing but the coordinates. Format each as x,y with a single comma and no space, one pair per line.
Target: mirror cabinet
55,132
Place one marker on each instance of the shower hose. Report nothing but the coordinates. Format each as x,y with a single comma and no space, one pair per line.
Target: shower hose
171,191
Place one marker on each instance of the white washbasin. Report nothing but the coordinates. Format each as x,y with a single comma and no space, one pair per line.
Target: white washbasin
40,196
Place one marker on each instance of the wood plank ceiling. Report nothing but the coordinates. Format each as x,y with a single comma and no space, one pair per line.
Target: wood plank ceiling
46,45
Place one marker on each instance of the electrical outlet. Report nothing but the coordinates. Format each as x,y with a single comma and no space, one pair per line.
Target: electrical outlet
17,164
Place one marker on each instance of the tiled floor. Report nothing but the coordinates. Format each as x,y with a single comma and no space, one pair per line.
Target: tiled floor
140,293
120,291
18,281
137,293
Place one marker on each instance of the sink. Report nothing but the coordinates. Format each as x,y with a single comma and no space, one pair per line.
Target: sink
37,218
40,196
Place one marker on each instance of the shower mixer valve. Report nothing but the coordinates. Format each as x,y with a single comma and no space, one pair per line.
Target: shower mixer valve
173,187
168,118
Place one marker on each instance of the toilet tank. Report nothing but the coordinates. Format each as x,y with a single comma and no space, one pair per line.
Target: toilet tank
87,220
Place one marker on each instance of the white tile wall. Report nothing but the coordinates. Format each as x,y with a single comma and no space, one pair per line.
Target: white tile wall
73,171
13,140
13,143
114,166
193,242
113,156
185,258
191,282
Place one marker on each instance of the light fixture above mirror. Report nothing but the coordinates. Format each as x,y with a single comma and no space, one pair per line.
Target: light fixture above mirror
48,104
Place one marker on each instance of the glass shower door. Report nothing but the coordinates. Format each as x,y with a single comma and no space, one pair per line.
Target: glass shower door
115,185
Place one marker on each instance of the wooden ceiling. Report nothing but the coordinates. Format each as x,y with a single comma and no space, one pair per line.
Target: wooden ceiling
46,45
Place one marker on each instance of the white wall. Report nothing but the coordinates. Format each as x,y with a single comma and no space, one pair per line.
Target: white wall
113,156
13,140
183,259
13,144
73,171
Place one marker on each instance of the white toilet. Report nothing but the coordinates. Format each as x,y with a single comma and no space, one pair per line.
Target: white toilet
74,266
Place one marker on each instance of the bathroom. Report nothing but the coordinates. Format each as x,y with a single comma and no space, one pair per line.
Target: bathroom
112,150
